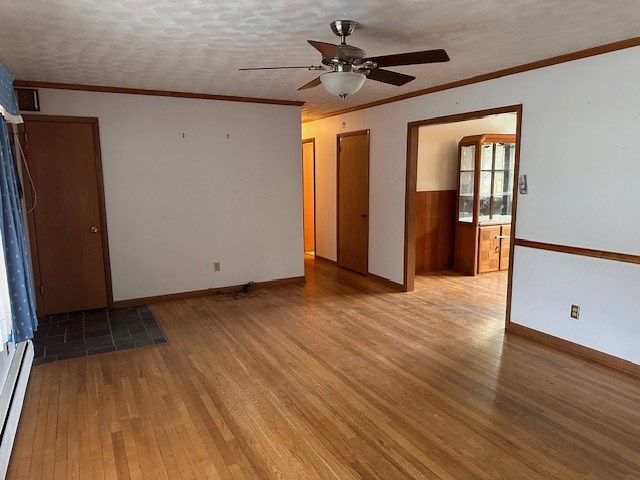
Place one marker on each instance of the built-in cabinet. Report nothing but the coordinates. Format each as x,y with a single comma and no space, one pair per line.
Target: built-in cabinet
493,248
484,202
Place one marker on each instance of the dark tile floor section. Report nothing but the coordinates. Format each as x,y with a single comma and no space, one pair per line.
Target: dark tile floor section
77,334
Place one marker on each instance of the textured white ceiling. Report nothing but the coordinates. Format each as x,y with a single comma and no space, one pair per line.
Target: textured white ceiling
198,45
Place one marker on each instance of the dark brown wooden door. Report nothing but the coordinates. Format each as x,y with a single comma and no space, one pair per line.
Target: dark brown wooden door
353,201
66,225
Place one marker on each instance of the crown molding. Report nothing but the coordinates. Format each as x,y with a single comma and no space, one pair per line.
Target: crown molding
155,93
567,57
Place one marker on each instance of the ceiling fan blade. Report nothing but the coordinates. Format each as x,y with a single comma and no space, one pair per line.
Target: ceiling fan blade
387,76
410,58
313,83
312,67
328,50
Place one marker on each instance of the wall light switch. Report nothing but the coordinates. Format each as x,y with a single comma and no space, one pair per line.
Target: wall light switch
216,266
523,187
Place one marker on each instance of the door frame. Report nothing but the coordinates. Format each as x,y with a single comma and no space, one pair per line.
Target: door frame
366,132
411,191
315,230
33,235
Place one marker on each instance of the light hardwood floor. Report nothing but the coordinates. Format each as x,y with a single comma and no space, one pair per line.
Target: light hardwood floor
336,379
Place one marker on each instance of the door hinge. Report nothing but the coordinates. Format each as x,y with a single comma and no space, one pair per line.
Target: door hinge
42,289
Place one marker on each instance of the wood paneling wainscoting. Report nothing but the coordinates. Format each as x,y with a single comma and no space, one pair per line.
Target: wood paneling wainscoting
435,229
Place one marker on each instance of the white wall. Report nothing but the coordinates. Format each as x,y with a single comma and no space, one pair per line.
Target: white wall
230,190
580,151
608,299
438,148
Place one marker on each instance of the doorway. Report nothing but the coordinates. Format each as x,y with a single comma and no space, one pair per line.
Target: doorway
67,222
452,193
353,200
309,195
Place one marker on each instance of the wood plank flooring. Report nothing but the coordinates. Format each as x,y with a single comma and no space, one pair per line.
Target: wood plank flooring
337,379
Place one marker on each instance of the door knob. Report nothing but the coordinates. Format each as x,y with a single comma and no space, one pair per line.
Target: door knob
94,229
364,215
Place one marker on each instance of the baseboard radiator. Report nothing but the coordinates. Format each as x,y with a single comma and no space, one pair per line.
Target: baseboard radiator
11,400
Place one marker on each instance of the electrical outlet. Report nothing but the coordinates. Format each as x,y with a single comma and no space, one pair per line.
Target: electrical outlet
216,266
575,311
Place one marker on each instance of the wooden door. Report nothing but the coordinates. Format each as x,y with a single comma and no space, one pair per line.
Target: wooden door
353,201
505,247
308,195
67,226
489,249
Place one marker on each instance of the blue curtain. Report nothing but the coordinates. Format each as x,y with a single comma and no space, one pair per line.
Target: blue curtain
23,309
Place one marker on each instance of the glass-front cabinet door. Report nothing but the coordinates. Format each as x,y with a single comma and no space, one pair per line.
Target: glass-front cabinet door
502,186
495,181
467,183
486,182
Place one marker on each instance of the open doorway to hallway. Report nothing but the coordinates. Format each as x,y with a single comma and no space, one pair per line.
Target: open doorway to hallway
461,179
309,196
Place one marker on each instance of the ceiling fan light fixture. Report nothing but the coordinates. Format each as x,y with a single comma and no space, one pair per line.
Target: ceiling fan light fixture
342,84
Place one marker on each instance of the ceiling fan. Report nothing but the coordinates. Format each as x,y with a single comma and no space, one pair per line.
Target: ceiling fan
348,66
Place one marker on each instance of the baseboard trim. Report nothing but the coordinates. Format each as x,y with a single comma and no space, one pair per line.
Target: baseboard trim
326,260
381,280
281,281
575,349
134,302
12,400
386,282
